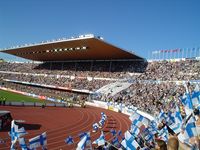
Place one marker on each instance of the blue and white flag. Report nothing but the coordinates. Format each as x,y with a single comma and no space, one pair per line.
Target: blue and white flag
119,133
116,142
138,119
162,116
22,144
153,127
129,142
170,118
69,140
103,116
16,133
101,140
113,132
95,127
187,102
177,125
40,140
81,135
195,96
85,143
149,138
101,123
134,130
163,134
190,129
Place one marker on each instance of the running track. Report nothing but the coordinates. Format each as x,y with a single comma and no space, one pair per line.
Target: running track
62,122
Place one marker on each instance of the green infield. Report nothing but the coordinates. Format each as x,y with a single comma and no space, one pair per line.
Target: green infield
14,97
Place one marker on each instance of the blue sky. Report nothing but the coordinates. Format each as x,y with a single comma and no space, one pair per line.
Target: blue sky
137,25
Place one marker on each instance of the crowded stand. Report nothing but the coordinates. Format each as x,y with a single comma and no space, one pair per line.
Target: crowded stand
64,96
158,90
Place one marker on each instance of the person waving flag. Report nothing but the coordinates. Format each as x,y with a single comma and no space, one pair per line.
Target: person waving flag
85,143
101,140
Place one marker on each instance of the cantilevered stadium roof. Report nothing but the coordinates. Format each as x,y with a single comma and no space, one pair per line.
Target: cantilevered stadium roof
85,47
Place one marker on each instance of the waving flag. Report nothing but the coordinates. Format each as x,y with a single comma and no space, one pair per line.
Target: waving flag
163,134
40,140
129,142
81,135
196,96
103,116
85,143
187,102
116,142
101,140
153,127
69,140
176,126
170,118
95,127
138,119
101,123
190,129
162,116
134,130
119,133
22,144
113,132
16,133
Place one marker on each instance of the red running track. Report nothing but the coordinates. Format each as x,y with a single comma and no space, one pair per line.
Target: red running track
62,122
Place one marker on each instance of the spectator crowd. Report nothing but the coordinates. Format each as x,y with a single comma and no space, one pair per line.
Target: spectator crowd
154,87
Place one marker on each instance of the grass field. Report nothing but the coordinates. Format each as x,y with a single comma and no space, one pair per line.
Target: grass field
14,97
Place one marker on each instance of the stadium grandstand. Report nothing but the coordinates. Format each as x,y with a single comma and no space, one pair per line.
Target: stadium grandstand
88,68
81,64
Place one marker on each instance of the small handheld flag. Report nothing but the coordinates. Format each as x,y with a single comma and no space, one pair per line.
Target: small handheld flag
81,135
113,132
84,142
95,127
16,133
101,140
69,140
40,140
138,119
129,142
22,143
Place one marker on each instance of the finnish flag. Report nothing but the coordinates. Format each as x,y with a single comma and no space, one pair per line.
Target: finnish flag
196,96
115,142
134,130
40,140
103,116
162,116
129,142
176,127
138,119
81,135
113,132
85,143
190,129
95,127
22,144
101,123
16,133
163,134
69,140
101,140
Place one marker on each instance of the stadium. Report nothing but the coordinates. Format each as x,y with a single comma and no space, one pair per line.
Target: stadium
86,85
